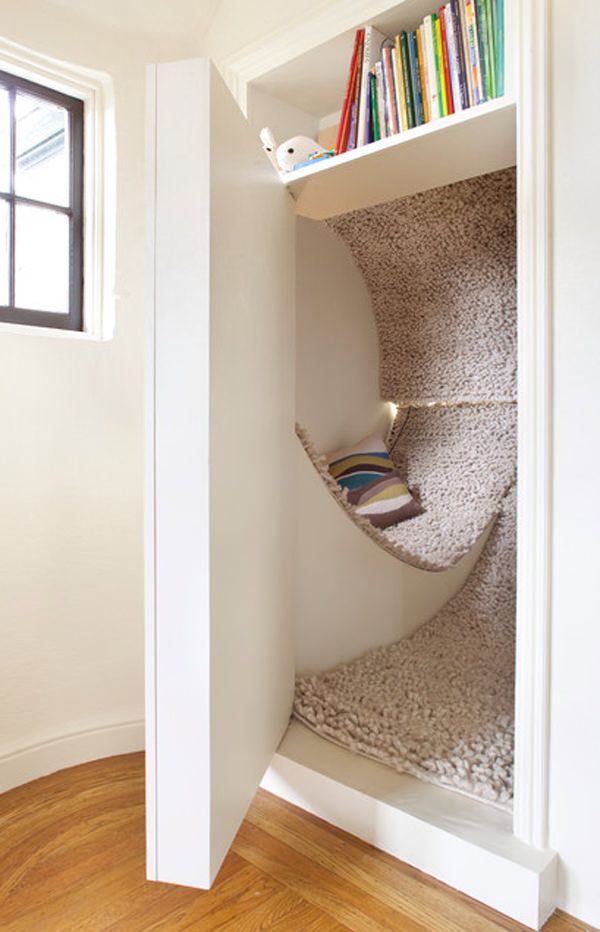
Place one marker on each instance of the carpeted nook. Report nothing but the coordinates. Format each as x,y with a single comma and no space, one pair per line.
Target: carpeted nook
441,271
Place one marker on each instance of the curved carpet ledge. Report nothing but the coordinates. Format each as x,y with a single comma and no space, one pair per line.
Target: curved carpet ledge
398,550
460,463
438,704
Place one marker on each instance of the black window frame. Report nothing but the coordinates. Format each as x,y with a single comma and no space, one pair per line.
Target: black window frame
73,320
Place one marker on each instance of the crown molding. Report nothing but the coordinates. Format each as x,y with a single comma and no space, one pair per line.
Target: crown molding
301,33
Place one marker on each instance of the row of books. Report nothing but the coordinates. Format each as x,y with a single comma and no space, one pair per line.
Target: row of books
452,61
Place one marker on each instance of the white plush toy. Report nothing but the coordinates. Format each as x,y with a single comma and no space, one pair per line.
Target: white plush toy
289,153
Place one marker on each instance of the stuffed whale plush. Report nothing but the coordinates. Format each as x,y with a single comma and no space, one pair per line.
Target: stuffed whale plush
289,153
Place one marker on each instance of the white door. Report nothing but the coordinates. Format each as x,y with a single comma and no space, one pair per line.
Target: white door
220,369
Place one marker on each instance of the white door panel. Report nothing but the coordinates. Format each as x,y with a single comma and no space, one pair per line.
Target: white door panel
219,499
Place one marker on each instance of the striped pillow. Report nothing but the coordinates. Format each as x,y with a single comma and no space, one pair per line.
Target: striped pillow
374,487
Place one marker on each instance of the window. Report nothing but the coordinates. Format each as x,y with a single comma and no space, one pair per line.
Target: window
41,213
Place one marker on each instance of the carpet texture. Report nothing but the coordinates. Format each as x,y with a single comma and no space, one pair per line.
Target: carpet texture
459,463
440,267
439,704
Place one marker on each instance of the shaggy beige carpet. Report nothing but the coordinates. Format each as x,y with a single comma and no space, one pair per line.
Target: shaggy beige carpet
440,267
439,704
460,463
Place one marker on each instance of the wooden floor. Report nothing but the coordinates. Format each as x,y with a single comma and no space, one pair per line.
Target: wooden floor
72,858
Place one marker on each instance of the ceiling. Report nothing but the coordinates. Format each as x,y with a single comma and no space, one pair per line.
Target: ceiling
166,19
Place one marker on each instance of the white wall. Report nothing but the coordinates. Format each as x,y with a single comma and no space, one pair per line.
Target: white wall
71,656
337,347
575,733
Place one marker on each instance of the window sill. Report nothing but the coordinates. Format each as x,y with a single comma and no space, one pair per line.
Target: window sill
53,332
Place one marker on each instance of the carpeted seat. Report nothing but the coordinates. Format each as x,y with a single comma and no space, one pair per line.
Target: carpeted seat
460,462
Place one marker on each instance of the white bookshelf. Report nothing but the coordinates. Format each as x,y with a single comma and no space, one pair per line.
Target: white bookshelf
473,142
306,86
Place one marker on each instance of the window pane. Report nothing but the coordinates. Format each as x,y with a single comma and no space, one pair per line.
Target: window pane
4,140
42,164
41,259
4,254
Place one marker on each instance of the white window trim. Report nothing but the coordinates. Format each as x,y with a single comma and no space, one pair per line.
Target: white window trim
99,183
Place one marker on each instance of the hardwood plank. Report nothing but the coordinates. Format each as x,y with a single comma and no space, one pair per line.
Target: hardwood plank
45,883
338,897
286,912
234,894
73,860
561,922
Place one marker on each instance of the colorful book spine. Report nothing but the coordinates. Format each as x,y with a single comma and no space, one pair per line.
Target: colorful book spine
452,58
352,128
390,88
439,66
489,22
368,127
400,84
410,107
426,69
422,74
473,52
462,12
344,125
446,60
481,31
385,93
414,78
353,131
374,110
372,45
462,93
381,115
498,16
434,99
452,70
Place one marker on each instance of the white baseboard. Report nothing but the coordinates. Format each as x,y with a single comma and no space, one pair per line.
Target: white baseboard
463,843
38,760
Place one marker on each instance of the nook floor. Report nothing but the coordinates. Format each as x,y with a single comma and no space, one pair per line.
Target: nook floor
72,858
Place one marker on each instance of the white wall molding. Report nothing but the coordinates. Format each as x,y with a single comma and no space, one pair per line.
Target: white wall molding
151,633
535,431
37,760
300,34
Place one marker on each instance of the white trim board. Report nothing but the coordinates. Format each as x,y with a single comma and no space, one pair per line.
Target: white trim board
534,526
150,633
465,844
38,760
